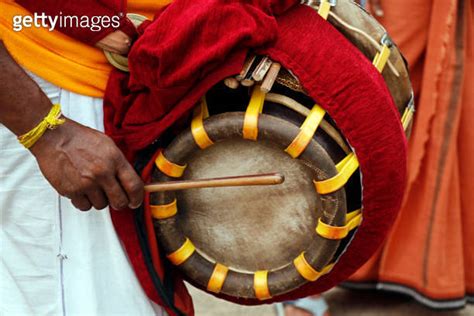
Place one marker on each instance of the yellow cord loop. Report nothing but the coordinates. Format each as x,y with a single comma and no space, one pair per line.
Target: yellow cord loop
353,220
200,136
381,58
183,253
51,121
407,117
217,278
345,169
350,216
164,211
307,130
260,285
324,8
167,167
307,271
250,130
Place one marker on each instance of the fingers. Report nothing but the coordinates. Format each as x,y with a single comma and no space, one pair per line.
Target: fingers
98,199
117,197
131,183
116,42
121,49
81,202
120,187
92,198
117,184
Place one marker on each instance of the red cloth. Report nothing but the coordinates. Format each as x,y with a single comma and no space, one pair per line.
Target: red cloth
189,48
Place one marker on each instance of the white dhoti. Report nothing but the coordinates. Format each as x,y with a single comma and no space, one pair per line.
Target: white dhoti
55,259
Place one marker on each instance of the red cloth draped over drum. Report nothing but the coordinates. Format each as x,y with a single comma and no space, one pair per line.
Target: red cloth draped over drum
189,47
192,45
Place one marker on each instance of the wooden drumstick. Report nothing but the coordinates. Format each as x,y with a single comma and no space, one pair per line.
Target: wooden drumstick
247,180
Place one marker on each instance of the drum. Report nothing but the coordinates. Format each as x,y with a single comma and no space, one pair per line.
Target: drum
363,30
223,238
259,242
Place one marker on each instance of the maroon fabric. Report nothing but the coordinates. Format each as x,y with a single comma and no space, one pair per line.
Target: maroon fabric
331,69
189,47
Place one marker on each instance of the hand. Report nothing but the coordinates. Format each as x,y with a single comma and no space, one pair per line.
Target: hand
116,42
86,166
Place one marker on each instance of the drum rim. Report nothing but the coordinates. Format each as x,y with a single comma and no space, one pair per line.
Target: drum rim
240,284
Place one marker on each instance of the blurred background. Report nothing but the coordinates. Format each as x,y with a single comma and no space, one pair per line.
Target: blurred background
342,302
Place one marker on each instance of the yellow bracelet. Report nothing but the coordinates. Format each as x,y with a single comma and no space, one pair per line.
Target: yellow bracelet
51,121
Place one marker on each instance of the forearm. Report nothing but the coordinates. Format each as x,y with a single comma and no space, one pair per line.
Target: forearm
89,169
22,103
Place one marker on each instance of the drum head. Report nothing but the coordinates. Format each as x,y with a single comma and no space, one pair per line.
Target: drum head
249,228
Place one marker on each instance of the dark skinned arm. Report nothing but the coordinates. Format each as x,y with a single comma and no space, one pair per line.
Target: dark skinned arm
79,162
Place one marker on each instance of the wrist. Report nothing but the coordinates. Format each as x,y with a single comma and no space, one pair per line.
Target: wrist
52,139
50,122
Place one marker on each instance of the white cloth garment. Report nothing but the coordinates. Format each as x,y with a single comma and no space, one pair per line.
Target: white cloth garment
55,259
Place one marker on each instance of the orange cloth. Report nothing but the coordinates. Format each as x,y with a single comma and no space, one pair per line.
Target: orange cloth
430,249
59,59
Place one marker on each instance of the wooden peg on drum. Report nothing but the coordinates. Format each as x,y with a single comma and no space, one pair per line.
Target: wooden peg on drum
247,180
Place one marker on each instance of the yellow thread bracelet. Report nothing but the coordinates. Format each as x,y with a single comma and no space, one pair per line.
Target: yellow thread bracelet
51,121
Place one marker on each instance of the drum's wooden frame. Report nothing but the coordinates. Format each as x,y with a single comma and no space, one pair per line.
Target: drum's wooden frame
236,283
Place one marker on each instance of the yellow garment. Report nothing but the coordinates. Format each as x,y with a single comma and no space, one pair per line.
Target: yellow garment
58,58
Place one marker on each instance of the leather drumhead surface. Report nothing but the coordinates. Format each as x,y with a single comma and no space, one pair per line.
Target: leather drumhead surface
250,232
249,228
